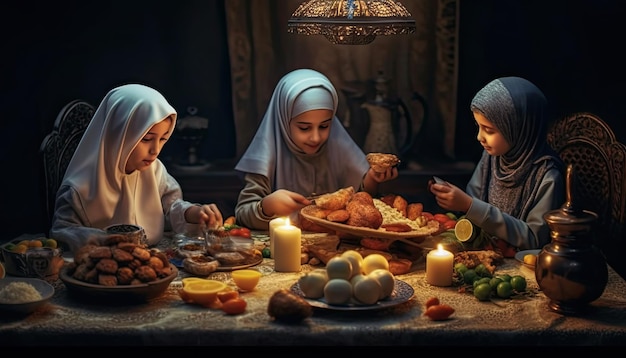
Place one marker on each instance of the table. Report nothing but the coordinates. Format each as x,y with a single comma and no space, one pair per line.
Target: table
167,320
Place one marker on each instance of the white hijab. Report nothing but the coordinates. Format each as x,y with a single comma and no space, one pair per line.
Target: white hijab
97,169
272,153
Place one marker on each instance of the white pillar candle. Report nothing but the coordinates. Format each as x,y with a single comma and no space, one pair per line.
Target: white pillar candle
273,224
287,243
439,267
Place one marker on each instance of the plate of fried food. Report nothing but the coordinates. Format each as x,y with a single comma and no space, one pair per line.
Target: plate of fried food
357,213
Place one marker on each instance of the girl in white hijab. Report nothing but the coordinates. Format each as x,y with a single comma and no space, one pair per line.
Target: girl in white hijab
519,177
115,177
300,148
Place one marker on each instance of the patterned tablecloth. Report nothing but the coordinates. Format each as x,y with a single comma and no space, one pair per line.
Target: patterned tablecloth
167,320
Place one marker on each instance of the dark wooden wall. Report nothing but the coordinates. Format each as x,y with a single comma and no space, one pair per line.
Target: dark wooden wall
71,49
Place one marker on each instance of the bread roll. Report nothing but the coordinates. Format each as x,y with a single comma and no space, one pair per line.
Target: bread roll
380,162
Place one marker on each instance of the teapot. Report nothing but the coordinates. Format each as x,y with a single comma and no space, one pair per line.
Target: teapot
377,121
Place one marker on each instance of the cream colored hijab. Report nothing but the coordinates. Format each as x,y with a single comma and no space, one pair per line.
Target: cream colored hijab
338,163
97,169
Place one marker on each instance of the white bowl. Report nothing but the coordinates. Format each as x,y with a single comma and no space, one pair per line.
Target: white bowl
45,289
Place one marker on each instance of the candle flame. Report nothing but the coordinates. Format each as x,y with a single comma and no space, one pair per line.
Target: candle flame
287,223
439,247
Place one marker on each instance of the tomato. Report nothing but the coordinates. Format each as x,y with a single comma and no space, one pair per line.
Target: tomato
240,231
439,312
442,218
227,295
449,224
433,301
427,215
234,306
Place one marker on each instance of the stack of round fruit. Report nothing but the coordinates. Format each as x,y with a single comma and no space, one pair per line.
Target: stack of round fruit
350,278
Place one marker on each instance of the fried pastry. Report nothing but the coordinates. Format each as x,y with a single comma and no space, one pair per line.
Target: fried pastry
380,162
335,200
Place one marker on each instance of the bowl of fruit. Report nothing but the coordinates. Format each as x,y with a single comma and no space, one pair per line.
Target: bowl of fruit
37,257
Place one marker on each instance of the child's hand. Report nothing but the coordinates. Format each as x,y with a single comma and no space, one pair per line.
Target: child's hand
389,174
283,202
207,215
450,197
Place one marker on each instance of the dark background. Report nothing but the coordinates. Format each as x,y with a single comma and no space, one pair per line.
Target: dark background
69,49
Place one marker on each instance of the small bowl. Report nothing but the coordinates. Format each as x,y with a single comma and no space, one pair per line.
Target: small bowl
246,280
36,262
44,288
201,291
135,232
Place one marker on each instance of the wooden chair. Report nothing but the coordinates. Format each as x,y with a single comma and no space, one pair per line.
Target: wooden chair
599,163
57,148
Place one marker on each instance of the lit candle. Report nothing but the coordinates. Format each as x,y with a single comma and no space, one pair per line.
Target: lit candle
439,266
287,243
273,224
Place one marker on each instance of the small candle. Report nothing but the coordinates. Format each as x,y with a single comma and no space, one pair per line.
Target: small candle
439,267
287,243
273,224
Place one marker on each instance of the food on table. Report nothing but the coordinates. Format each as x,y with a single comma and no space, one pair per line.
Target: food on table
201,265
464,230
338,291
439,312
312,283
380,162
530,259
19,292
387,282
202,291
246,280
288,307
363,212
471,259
340,267
234,306
122,263
373,262
367,290
432,302
335,200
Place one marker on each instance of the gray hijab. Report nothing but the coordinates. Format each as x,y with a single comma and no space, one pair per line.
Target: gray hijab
339,162
518,109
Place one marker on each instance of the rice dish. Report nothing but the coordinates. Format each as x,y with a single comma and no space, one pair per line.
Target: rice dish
19,292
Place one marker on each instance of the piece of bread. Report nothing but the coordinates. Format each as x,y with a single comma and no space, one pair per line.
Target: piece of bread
380,162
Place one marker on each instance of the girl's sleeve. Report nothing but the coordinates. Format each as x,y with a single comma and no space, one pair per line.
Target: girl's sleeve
70,225
174,207
248,210
533,233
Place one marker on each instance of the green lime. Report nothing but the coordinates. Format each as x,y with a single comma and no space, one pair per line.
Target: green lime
504,289
460,268
505,277
266,252
482,292
494,283
469,277
481,281
451,215
464,230
518,283
482,271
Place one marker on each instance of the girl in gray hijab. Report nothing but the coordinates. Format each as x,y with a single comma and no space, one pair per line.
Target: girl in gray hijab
299,149
519,177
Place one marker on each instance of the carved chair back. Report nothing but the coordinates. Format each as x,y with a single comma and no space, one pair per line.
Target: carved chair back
58,146
599,162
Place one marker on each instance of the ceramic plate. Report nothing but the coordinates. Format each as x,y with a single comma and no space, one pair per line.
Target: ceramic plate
519,256
416,236
402,292
119,293
45,289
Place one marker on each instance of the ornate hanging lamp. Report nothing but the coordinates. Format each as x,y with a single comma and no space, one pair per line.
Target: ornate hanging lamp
351,22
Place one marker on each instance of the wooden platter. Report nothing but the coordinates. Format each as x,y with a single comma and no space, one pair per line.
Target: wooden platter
416,236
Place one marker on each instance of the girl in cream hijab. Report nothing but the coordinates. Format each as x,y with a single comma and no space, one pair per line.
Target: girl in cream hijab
519,177
299,149
115,177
